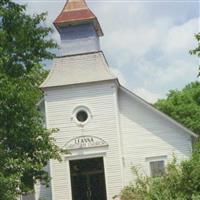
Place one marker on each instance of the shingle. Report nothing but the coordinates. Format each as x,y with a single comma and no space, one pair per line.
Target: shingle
76,69
77,12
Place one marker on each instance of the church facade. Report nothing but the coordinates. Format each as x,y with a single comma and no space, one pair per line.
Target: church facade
106,128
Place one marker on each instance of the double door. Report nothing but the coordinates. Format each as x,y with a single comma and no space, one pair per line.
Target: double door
88,179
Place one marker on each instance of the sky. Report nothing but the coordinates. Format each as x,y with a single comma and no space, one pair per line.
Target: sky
146,43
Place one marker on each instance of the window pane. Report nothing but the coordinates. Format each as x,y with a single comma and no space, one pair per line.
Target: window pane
157,168
82,116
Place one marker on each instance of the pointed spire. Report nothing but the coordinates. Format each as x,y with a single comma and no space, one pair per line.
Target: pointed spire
77,12
75,5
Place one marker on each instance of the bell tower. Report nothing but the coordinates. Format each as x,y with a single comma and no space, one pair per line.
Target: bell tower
80,99
79,29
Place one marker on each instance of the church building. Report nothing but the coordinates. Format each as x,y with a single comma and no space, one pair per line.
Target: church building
106,128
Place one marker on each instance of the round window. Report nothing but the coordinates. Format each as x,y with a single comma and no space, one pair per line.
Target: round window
82,116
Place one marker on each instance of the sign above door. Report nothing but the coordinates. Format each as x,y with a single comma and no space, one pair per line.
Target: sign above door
85,142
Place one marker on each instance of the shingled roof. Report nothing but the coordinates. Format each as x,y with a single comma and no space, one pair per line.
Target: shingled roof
77,12
83,68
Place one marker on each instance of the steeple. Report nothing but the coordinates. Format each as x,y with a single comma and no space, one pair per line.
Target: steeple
79,28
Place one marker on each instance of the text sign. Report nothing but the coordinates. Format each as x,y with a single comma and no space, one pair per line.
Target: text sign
85,142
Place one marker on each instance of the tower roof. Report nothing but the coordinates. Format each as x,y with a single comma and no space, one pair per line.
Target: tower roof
78,69
77,12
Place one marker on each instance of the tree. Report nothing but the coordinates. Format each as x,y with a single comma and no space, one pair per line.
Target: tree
25,145
180,182
183,106
196,51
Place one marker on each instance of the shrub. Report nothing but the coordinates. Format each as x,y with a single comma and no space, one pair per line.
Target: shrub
180,182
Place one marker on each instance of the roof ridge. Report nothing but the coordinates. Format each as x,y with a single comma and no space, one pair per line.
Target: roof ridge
72,5
108,67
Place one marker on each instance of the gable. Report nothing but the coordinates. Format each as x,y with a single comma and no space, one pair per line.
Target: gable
146,107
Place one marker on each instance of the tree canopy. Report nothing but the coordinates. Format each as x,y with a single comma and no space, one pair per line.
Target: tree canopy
196,51
25,145
183,106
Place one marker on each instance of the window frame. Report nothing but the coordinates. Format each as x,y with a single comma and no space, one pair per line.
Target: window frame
78,109
155,159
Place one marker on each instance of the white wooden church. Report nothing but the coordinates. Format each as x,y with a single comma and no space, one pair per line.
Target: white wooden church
106,127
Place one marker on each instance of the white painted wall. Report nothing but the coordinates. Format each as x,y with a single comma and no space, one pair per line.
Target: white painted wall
132,130
145,134
41,191
79,39
100,98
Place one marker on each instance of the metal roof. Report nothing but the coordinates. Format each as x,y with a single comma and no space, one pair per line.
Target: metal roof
77,12
82,68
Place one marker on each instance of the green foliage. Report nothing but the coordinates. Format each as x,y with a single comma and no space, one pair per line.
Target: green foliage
8,185
196,51
24,42
25,145
180,182
183,106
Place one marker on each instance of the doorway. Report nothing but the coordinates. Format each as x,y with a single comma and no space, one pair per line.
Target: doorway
88,179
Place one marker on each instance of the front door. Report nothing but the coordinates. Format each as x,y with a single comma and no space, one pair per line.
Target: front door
88,179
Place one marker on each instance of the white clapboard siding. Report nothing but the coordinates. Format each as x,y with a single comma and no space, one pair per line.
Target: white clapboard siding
100,98
146,134
134,133
41,191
